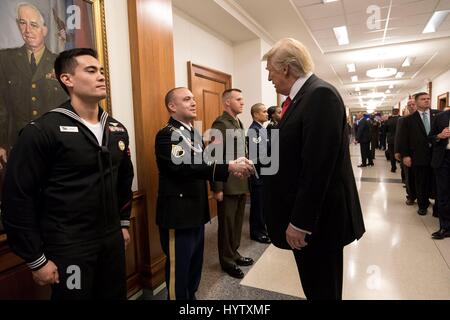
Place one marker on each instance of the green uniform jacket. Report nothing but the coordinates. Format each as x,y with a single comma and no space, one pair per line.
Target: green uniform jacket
23,96
234,185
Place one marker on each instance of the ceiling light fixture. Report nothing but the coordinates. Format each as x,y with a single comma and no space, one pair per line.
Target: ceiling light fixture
399,75
388,91
391,86
351,67
408,61
381,72
435,21
355,79
357,89
328,1
341,35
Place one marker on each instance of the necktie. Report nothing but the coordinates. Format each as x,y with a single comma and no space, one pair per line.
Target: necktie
426,123
33,63
286,105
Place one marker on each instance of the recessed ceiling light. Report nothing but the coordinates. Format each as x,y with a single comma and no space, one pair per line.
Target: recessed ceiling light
355,79
399,75
351,67
391,86
435,21
328,1
408,61
341,35
357,89
388,91
381,72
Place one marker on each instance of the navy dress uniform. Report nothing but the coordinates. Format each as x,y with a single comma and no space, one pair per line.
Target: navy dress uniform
182,206
258,142
26,94
66,198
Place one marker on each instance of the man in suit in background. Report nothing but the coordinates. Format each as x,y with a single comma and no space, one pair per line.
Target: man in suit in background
258,142
311,204
440,162
231,195
363,137
391,128
416,149
399,149
28,86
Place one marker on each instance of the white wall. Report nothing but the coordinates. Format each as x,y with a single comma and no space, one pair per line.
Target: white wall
120,69
268,94
441,85
247,75
195,42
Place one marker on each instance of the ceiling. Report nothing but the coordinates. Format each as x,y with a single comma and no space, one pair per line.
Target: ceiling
382,33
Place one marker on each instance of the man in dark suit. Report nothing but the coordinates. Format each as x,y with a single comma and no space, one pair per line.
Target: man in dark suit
363,137
258,142
416,149
312,205
440,162
231,195
28,85
391,128
182,207
399,149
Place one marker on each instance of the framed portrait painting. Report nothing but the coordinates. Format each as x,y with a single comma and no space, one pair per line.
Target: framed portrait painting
33,33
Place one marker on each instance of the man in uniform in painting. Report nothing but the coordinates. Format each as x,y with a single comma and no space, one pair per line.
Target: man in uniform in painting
28,86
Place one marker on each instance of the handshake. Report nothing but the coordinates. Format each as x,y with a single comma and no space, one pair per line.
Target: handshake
241,167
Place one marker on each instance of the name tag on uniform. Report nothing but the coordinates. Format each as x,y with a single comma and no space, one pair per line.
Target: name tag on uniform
68,129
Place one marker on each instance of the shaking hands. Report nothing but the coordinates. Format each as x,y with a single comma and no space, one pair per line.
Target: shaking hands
241,168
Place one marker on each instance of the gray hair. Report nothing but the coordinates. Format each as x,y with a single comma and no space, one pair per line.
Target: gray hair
292,53
26,4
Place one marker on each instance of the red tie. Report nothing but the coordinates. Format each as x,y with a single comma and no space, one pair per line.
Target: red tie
286,105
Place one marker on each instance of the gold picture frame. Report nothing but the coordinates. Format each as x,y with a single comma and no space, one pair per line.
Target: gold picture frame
443,101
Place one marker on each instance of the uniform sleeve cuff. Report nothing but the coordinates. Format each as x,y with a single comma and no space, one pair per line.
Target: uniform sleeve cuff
38,263
125,223
298,229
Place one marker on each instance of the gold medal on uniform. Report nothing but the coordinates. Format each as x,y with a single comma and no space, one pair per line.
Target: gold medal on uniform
121,145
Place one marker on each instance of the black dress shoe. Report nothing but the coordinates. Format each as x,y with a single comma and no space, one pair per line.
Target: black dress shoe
409,202
361,166
262,239
393,170
441,234
422,212
235,272
244,261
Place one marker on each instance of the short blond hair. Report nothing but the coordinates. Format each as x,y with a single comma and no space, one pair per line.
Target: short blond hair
292,53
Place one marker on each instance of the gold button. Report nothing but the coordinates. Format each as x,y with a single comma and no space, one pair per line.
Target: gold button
35,113
33,85
33,99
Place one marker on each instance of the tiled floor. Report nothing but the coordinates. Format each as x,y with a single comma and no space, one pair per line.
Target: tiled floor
396,258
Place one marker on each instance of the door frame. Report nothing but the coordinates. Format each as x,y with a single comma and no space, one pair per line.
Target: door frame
195,70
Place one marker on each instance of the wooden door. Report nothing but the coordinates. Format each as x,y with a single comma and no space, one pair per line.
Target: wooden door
207,85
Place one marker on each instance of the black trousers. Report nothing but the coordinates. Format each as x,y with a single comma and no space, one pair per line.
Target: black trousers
321,272
423,176
392,156
184,260
230,214
410,182
365,153
90,270
443,191
257,224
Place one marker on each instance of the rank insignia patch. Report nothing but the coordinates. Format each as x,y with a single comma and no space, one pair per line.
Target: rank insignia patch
257,140
177,151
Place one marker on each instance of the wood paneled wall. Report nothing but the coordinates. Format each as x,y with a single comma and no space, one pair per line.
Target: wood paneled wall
152,63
